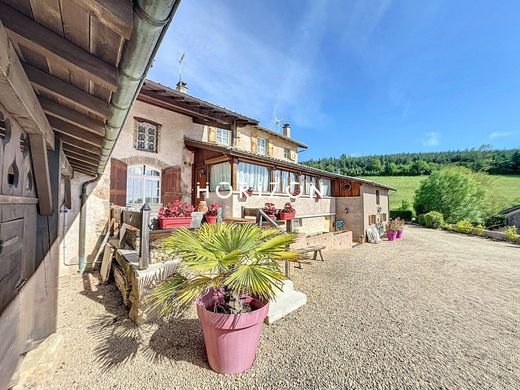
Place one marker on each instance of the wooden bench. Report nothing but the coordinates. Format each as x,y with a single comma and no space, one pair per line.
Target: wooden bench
315,250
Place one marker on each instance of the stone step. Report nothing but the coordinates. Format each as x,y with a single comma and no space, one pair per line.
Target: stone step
285,303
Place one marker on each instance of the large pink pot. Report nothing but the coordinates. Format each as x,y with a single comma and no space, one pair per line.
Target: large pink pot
391,235
400,233
231,339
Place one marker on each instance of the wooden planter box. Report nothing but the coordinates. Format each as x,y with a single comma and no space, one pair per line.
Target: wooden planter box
287,216
174,222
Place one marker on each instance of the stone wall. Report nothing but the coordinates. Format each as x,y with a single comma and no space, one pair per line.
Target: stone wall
279,144
354,219
370,206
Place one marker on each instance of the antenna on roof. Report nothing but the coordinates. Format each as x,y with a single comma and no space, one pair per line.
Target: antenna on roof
277,121
180,66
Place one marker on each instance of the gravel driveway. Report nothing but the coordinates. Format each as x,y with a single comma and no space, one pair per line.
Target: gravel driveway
435,310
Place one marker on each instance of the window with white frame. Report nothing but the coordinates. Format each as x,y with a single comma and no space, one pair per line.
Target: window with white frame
220,175
143,184
146,136
261,146
252,175
325,187
223,137
287,153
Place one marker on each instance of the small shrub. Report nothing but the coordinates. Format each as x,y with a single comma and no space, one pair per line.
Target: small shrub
511,234
464,226
478,230
495,221
448,227
433,220
406,215
420,219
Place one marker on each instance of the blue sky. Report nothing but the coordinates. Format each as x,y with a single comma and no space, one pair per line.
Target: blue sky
356,77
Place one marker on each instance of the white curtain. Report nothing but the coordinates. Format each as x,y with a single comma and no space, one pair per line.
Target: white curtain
251,175
288,178
218,175
325,187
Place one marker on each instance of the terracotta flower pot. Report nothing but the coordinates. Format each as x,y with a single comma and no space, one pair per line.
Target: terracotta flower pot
174,222
391,235
286,216
400,233
231,339
212,219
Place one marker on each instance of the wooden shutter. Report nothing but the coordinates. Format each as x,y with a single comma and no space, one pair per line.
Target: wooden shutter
212,134
270,148
118,171
292,155
171,185
253,144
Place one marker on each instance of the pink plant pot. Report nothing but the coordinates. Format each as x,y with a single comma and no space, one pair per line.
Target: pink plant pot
391,235
287,216
174,222
211,219
400,233
231,339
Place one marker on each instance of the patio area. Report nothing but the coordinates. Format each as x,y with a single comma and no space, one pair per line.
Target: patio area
435,310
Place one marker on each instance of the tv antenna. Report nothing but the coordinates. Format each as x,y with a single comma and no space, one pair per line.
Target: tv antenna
277,121
180,66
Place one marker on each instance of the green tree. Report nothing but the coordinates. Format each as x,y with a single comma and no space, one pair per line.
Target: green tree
458,193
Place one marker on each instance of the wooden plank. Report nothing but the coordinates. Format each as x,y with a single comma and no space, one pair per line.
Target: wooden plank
17,95
45,41
81,157
83,170
80,144
11,199
11,233
71,149
53,108
106,262
59,88
83,163
75,131
67,196
41,173
115,14
66,169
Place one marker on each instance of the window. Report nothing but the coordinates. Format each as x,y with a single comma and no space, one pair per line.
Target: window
143,185
371,219
383,217
223,137
252,175
284,179
378,200
325,187
308,181
287,153
220,174
146,138
260,146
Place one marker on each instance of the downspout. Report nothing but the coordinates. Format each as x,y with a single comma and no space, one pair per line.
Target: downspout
151,19
83,224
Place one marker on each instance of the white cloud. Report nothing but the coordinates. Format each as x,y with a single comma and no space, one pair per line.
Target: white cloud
431,139
501,134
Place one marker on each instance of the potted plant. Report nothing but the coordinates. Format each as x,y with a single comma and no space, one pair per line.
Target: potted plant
317,197
392,228
176,214
400,225
249,192
231,271
296,192
270,210
288,212
212,213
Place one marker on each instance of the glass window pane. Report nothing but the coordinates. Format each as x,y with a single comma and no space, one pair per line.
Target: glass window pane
220,174
252,175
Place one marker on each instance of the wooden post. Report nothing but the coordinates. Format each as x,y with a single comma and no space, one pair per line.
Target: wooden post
144,239
289,229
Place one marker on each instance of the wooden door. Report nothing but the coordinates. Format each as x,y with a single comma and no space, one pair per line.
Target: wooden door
171,185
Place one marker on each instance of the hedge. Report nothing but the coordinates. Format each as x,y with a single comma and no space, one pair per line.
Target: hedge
407,215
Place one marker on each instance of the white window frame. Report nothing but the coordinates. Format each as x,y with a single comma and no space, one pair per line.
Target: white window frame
262,150
287,153
147,127
142,179
223,137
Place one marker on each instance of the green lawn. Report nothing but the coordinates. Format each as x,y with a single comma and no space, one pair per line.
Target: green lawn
508,186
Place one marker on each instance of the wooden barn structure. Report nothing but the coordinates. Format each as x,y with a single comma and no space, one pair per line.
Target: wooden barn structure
69,73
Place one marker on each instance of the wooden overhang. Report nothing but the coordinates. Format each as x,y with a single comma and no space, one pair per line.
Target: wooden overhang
202,112
276,163
70,52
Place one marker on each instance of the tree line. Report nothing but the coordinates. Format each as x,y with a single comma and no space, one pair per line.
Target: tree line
483,159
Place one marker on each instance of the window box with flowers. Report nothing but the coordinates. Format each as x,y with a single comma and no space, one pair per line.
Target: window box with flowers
212,213
270,210
176,214
288,212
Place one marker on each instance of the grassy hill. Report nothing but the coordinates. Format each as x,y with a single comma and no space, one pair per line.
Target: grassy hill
507,185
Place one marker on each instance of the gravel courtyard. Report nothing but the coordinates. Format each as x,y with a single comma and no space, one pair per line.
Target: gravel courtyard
436,310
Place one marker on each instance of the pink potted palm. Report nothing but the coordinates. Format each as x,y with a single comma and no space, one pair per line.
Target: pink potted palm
392,227
212,213
400,225
176,214
230,271
288,212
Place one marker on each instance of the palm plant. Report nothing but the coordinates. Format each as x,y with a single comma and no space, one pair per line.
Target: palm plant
238,259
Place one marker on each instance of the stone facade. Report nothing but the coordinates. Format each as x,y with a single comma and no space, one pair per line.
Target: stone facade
248,133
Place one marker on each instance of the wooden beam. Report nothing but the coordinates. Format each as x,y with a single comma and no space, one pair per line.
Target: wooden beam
83,163
57,110
81,157
41,173
84,170
46,42
115,14
66,169
80,152
76,132
59,88
17,95
80,144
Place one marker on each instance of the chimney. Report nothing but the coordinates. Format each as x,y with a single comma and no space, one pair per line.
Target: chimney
287,130
182,87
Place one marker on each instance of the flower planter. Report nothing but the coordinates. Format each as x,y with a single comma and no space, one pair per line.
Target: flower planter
174,222
231,339
287,216
211,218
400,233
391,235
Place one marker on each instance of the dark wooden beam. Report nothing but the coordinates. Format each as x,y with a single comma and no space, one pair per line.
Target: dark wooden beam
84,170
80,152
59,88
73,160
57,110
80,144
209,122
84,156
115,14
76,132
46,42
41,173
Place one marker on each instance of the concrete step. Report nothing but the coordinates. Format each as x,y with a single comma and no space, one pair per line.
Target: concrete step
285,303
